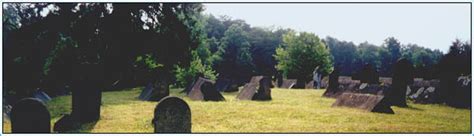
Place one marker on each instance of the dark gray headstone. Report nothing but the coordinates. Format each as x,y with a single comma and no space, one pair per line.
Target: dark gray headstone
30,115
403,73
368,102
333,84
204,89
264,89
257,89
172,115
146,92
249,88
210,93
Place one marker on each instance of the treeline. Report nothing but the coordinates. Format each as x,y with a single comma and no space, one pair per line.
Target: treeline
61,46
350,58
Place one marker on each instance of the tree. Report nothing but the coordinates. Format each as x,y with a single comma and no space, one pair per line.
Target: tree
344,54
300,54
236,57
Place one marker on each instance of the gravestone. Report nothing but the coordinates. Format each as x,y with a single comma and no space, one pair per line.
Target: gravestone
368,102
146,92
65,123
41,95
30,115
403,74
325,82
264,89
333,84
172,115
210,93
86,89
204,89
288,83
386,80
257,89
154,92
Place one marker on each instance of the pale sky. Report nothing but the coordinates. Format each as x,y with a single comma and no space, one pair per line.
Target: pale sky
429,25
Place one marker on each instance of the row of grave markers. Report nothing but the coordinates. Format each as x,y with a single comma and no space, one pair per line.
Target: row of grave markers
30,115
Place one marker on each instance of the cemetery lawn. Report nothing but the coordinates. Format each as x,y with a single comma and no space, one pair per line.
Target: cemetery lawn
290,111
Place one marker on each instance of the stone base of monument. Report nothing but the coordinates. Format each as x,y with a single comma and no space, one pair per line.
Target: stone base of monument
368,102
204,89
257,89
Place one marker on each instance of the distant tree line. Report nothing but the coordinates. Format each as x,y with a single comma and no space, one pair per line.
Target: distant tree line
52,46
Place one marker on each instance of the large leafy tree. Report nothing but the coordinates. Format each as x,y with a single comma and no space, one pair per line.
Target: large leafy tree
300,54
236,57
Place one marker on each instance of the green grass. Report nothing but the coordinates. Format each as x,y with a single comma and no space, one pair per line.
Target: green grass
290,111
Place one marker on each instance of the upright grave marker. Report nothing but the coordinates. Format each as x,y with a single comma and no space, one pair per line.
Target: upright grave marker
257,89
30,115
403,73
204,89
172,115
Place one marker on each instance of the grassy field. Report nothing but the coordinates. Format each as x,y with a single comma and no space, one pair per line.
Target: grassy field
290,111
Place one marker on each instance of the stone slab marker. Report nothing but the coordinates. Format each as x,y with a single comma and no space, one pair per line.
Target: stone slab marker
249,89
368,102
288,83
146,92
204,89
257,89
172,115
30,115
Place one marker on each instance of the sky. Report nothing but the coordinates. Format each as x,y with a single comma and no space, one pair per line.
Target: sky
429,25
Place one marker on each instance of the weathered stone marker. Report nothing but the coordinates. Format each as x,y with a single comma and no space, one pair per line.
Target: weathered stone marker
146,92
172,115
403,73
368,102
204,89
210,93
333,84
257,89
288,83
30,115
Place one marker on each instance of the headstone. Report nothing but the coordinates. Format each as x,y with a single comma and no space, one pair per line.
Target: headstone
146,92
154,92
210,93
65,124
333,84
264,91
403,73
87,92
30,115
368,102
41,95
172,115
288,83
386,80
325,82
204,89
